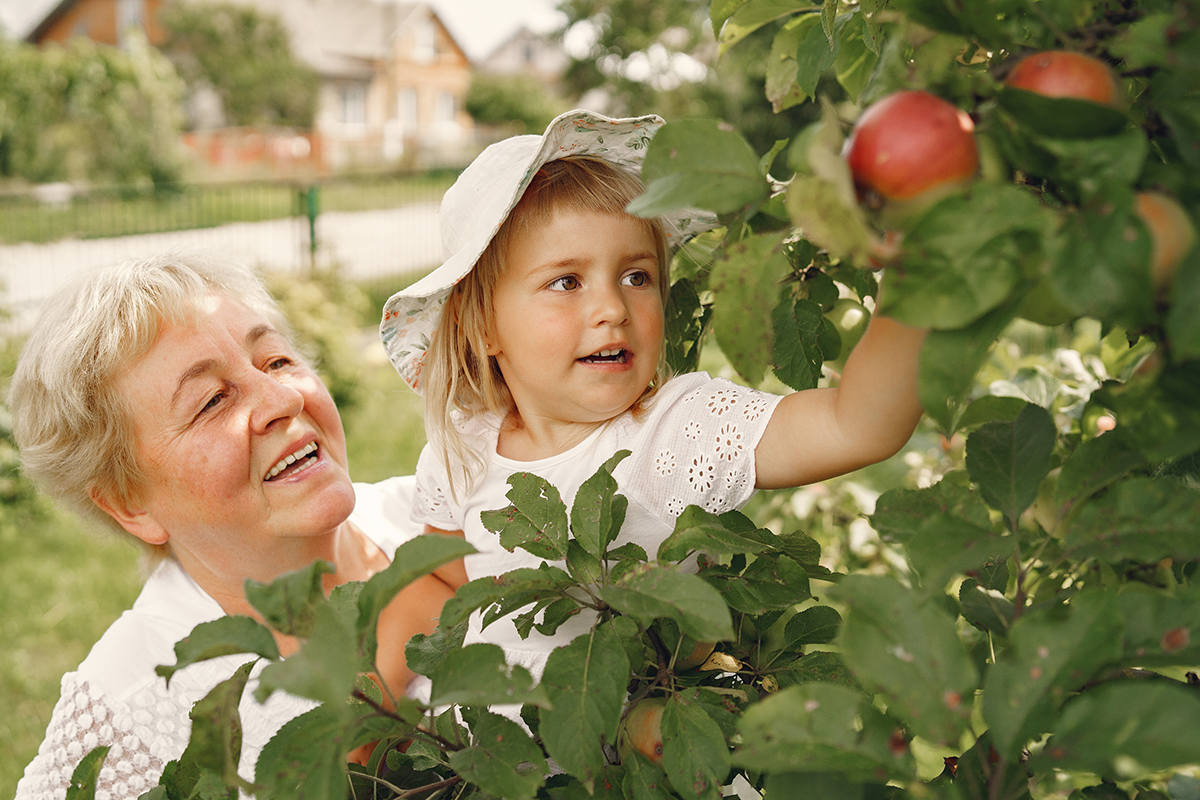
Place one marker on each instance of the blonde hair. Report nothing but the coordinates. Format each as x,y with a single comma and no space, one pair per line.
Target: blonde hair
461,379
73,429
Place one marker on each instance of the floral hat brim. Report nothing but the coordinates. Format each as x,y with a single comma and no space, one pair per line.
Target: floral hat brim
475,207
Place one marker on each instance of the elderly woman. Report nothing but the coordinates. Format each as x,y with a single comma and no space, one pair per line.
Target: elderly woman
165,398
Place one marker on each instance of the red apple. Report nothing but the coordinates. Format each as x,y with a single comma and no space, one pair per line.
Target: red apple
908,150
1172,235
1059,73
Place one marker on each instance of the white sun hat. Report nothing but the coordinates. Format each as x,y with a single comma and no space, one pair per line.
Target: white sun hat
480,200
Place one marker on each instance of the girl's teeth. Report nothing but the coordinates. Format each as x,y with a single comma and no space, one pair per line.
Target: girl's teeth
292,458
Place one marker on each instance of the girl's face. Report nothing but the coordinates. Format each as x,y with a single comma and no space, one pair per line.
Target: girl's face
578,317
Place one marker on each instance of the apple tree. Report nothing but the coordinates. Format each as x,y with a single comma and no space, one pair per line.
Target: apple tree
1032,637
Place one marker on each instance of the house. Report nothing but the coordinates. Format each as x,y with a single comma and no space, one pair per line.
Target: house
393,79
528,53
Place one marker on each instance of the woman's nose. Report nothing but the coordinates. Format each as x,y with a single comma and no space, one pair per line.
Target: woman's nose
273,400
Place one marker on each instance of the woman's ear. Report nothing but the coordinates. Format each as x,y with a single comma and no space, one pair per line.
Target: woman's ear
128,515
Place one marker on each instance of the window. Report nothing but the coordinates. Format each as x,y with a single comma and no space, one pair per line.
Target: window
406,108
444,109
424,42
354,104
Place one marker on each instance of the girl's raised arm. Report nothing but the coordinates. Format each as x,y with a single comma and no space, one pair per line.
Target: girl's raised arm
822,433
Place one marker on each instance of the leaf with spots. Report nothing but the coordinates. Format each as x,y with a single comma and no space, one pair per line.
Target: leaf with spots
1053,652
911,653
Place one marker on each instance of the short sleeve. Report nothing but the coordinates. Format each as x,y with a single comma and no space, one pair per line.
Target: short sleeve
696,447
431,503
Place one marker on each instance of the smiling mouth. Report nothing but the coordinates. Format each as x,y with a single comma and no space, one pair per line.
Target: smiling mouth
296,462
607,357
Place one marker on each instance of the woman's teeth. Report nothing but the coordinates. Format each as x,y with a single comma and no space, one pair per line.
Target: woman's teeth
288,460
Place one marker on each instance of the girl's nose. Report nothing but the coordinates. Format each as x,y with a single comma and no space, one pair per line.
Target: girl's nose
273,401
609,306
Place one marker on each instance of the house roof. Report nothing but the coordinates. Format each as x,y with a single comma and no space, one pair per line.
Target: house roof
337,38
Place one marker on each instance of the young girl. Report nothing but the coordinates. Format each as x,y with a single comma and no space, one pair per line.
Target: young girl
539,347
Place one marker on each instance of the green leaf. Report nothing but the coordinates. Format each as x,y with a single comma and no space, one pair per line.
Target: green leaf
221,637
643,780
767,584
288,604
478,675
699,163
1126,729
946,546
85,774
413,559
536,521
596,516
695,753
502,760
735,25
991,408
1093,465
1160,629
781,84
1062,117
1183,315
585,681
424,653
1009,460
964,257
518,587
986,609
1050,655
815,625
949,361
818,47
687,321
650,592
858,51
798,354
1141,519
1101,266
900,513
820,727
911,653
746,282
697,530
306,758
216,739
325,668
820,666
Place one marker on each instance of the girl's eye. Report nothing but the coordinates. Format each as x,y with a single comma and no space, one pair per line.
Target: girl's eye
564,284
638,278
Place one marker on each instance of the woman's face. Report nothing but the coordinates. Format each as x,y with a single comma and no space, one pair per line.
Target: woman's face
239,440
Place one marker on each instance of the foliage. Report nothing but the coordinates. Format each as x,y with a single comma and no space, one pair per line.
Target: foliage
1032,636
245,55
518,102
89,112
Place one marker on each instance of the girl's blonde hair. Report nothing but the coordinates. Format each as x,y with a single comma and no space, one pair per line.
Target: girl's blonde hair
461,379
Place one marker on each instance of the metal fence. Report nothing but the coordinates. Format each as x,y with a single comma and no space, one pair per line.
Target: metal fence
373,227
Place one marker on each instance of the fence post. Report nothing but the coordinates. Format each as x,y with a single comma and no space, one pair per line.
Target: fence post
313,202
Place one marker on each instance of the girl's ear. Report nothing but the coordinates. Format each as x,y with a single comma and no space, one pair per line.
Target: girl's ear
131,517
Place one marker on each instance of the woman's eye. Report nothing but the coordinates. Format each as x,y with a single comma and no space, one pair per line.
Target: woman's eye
279,363
637,279
213,402
564,284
